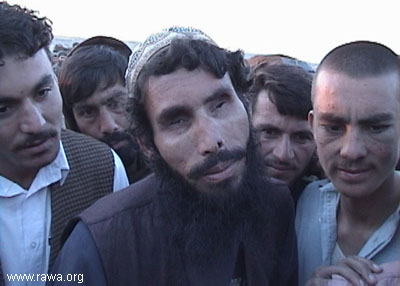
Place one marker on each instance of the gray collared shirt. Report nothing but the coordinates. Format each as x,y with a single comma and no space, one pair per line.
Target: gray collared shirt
316,228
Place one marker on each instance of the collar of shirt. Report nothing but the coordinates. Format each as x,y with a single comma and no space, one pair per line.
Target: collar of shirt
57,170
378,240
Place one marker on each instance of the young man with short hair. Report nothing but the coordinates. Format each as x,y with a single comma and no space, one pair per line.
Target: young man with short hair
349,224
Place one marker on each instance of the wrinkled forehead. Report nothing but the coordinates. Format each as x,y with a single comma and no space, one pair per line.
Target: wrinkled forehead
184,86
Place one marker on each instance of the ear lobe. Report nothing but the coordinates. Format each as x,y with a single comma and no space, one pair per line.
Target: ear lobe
147,151
311,119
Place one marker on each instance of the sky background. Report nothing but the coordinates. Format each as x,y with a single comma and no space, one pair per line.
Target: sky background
306,29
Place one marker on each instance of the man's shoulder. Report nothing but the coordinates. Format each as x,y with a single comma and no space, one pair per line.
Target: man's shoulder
81,149
279,198
314,187
133,197
76,139
115,205
311,194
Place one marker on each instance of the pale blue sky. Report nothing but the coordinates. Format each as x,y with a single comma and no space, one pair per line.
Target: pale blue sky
305,29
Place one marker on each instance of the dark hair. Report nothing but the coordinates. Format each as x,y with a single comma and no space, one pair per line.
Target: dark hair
189,54
260,61
23,32
361,59
289,88
84,71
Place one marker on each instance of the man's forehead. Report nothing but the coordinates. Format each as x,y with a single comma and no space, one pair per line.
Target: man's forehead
184,90
330,84
40,58
102,97
22,76
184,82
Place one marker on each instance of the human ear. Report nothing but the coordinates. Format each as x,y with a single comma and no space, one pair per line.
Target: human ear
311,119
145,146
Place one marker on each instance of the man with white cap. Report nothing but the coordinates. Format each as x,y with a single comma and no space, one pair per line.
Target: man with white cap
208,215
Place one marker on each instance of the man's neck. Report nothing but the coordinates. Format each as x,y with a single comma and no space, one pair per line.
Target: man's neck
359,218
23,178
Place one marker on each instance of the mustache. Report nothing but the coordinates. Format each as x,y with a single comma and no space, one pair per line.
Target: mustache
116,136
201,169
274,162
32,139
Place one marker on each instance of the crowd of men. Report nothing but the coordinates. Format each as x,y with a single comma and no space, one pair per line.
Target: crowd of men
182,163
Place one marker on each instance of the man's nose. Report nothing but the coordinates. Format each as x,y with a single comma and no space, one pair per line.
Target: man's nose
353,145
284,149
209,136
107,123
32,118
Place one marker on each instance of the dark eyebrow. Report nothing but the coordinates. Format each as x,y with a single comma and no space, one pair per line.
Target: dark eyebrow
379,117
266,126
332,118
376,118
172,112
80,106
217,94
45,80
8,100
118,93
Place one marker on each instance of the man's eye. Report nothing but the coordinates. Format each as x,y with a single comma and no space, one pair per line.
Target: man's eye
177,122
86,113
333,128
302,138
269,133
378,128
116,106
219,105
44,92
113,104
5,109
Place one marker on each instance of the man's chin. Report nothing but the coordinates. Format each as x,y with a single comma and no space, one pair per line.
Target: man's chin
123,144
218,191
278,181
127,154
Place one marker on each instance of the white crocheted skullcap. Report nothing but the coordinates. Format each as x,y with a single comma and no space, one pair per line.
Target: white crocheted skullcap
142,52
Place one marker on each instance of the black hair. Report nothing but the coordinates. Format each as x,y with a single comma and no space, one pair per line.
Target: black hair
360,59
288,86
22,32
189,54
84,71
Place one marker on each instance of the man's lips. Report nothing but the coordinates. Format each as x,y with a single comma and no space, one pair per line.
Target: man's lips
353,171
282,168
35,143
220,172
37,146
353,174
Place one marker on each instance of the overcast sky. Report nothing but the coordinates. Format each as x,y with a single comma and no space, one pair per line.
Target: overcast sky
305,29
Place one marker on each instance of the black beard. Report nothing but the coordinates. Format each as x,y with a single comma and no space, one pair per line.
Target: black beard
129,153
203,225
